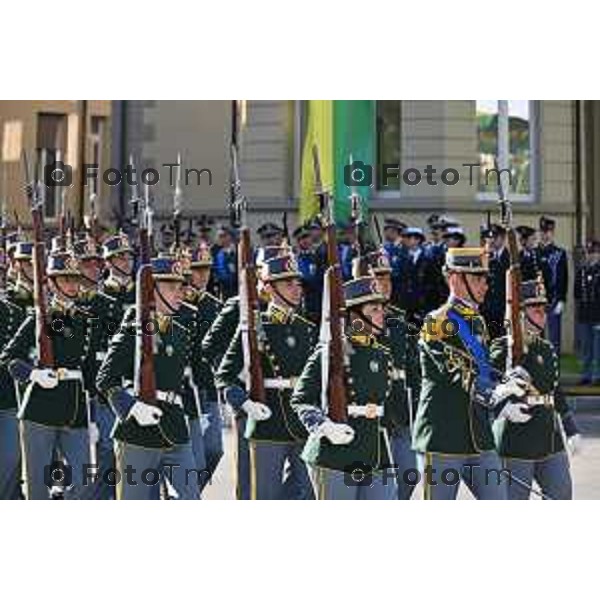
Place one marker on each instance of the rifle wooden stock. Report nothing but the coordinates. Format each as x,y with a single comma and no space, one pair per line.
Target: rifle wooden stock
249,315
337,399
145,378
43,341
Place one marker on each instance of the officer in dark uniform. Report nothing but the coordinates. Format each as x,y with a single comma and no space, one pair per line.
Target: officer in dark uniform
224,265
53,406
536,449
311,269
392,246
118,257
493,308
528,253
587,312
555,271
353,460
152,442
416,295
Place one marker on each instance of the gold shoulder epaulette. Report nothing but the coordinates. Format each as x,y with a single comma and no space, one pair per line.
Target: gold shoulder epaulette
433,326
214,298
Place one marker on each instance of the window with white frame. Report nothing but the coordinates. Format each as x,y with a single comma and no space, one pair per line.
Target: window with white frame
506,138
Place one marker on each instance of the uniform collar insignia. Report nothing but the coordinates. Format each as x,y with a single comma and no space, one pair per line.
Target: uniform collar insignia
362,339
277,314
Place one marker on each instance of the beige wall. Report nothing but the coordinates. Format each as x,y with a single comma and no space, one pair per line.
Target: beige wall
22,115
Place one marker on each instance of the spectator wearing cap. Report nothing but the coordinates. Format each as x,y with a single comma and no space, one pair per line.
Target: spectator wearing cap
415,293
554,266
394,249
494,305
311,270
224,265
529,253
587,312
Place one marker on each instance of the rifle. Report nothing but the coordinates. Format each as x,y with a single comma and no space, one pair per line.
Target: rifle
514,310
177,202
43,341
359,244
144,374
378,229
3,258
249,303
333,395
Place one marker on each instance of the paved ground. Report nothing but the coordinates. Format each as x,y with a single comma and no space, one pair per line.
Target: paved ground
585,465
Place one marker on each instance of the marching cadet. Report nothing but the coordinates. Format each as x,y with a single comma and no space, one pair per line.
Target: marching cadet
587,312
554,266
494,306
214,347
21,292
206,308
225,267
118,256
106,312
275,435
400,338
353,460
529,254
11,317
147,453
53,406
311,269
460,391
535,450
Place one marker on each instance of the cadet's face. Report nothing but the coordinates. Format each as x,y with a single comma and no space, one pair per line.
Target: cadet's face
290,289
547,236
374,312
537,315
172,292
90,268
452,242
200,277
478,285
26,268
390,235
384,285
304,243
410,241
122,262
68,286
498,242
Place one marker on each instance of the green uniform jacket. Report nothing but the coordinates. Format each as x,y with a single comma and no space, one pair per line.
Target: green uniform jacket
198,314
541,436
11,317
171,357
403,348
221,332
285,348
64,405
369,380
106,317
449,420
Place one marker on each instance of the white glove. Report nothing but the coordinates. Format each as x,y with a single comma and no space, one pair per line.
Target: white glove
515,412
256,410
338,434
45,378
145,414
560,306
574,444
513,387
94,433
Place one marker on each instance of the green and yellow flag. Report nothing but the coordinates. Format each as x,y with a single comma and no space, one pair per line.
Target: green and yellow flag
344,132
